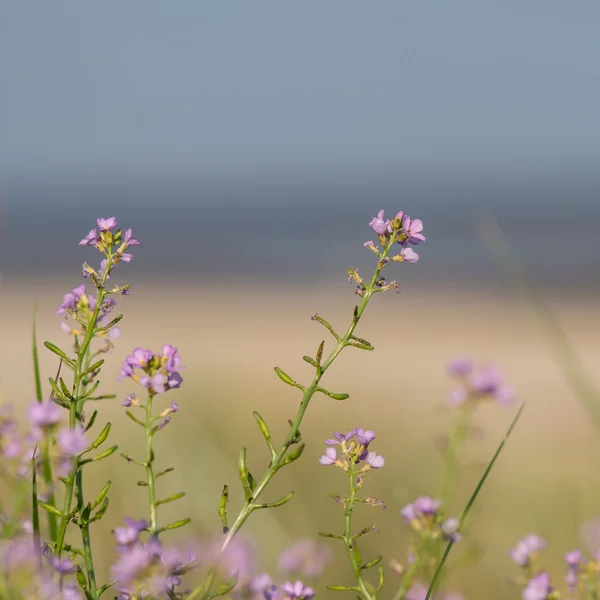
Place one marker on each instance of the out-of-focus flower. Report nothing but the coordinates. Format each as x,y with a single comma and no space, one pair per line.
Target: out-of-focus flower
240,557
305,558
538,588
526,548
72,441
486,382
129,533
44,415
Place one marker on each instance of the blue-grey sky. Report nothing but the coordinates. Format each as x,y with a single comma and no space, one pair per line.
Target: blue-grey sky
205,86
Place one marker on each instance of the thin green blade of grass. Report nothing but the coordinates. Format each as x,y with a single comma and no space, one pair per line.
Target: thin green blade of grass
493,239
472,499
36,360
35,516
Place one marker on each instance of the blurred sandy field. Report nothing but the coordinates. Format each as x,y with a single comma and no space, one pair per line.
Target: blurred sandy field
232,333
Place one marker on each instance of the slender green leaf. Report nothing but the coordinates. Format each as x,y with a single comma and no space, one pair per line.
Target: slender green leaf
472,499
35,517
36,361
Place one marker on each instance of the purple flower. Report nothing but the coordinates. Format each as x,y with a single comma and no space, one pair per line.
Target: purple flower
485,382
306,558
260,583
329,458
489,382
340,438
364,437
409,513
409,255
416,592
379,223
426,506
17,554
139,358
132,564
423,506
538,588
43,415
72,441
129,240
174,380
375,461
107,224
71,299
412,229
573,559
419,592
91,239
525,548
63,566
460,367
70,591
156,384
297,591
11,448
102,269
171,360
161,373
130,533
240,557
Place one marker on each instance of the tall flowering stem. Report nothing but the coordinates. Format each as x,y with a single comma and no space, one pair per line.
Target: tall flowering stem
150,476
89,314
458,436
402,230
426,518
158,373
76,405
473,386
354,448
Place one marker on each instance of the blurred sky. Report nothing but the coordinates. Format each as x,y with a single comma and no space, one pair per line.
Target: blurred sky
189,86
291,123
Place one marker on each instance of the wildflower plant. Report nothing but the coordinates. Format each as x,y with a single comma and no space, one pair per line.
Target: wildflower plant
46,543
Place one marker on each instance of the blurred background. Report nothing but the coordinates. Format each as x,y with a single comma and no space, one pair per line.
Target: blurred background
248,146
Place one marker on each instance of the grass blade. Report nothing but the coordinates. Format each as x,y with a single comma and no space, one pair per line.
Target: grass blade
35,511
36,361
472,500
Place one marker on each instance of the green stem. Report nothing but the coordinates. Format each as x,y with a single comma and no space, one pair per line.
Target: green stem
452,457
151,479
78,373
348,541
87,543
249,506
